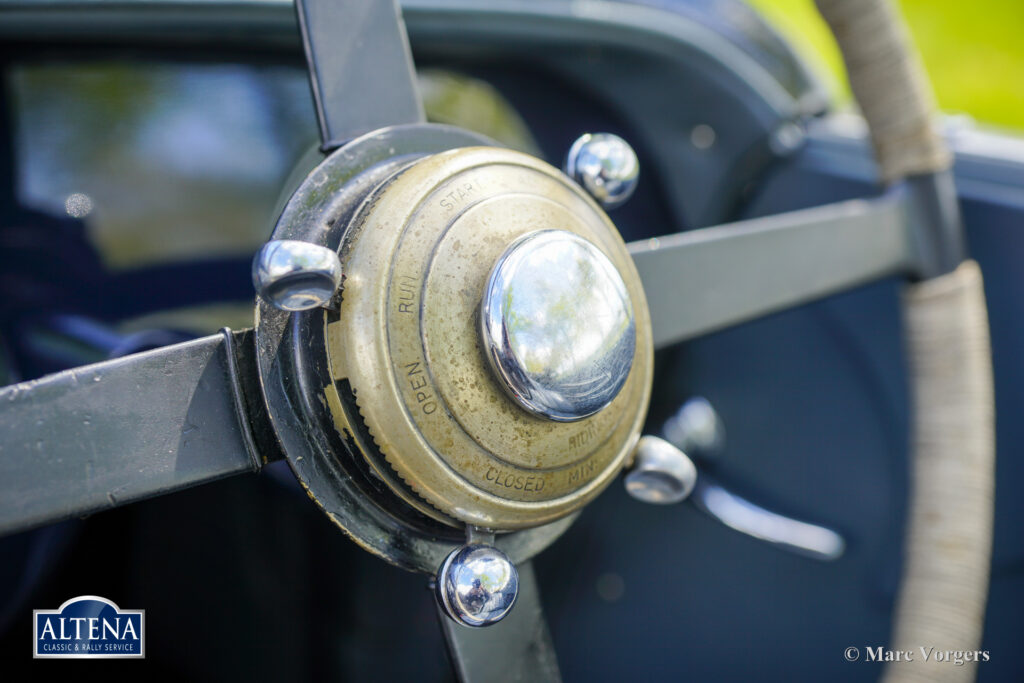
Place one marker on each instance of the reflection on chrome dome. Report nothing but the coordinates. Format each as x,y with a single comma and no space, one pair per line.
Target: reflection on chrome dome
558,325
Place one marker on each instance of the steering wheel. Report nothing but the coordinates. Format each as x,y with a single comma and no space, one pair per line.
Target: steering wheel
454,349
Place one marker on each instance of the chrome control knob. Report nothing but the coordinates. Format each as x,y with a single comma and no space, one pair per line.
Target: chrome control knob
661,473
696,428
557,325
477,585
605,166
296,276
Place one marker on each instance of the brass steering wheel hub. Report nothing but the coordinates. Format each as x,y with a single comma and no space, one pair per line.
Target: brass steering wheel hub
427,258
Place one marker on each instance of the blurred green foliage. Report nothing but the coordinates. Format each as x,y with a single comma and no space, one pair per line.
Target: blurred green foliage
460,100
973,50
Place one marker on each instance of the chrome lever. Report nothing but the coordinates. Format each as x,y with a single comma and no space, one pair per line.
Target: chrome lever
736,512
697,430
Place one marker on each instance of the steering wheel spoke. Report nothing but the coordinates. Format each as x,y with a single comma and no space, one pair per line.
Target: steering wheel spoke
519,648
111,433
704,280
360,67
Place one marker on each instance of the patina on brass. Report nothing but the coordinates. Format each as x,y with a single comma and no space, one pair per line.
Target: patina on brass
416,261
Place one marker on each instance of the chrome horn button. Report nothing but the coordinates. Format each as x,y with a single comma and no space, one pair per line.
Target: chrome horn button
557,325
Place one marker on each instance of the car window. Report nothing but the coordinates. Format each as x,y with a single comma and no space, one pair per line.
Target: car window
161,160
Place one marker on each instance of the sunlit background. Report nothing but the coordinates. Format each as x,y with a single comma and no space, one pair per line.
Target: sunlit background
973,51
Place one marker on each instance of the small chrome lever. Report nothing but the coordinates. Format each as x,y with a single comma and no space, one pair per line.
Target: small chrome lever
697,431
661,474
802,538
696,428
